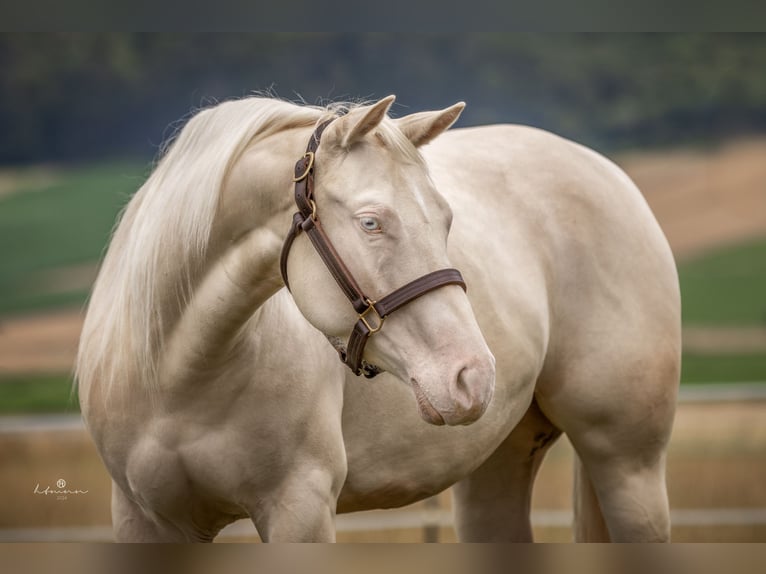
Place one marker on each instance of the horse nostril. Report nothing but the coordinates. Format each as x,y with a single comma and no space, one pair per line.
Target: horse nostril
462,384
464,392
472,390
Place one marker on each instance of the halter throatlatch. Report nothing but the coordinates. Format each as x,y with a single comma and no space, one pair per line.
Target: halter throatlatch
371,313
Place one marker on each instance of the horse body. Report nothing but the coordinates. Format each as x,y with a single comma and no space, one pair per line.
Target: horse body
569,278
577,296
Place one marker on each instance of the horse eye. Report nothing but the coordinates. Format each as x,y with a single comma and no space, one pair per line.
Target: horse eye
370,224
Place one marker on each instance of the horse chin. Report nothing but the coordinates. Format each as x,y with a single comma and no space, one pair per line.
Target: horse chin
426,410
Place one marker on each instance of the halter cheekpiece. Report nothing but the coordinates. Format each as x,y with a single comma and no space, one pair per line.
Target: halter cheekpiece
371,313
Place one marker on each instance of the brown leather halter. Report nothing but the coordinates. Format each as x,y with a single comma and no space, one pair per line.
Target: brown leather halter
371,313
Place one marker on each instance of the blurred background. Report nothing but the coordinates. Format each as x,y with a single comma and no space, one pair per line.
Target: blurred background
82,116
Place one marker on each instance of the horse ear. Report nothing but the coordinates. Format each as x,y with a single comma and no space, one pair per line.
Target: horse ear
352,127
422,127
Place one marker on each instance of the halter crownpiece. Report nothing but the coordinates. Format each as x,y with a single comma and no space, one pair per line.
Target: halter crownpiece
371,313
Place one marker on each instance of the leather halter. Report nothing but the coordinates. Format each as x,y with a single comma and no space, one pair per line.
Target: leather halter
371,313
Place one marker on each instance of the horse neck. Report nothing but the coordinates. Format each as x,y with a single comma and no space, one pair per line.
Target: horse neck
241,270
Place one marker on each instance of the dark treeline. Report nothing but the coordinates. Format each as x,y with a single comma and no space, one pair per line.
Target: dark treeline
81,96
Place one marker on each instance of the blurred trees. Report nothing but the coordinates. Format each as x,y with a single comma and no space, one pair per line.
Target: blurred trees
74,96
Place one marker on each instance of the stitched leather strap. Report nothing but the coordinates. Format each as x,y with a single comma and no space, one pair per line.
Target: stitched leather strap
390,303
329,255
417,288
334,264
304,170
291,235
307,220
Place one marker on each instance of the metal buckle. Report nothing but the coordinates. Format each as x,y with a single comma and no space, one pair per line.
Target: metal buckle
310,155
363,317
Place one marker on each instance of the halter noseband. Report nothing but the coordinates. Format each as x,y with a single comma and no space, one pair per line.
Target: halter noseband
371,313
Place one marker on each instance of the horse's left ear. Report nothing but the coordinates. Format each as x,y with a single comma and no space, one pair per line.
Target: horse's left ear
422,127
351,128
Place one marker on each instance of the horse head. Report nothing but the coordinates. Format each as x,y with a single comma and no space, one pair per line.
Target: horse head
376,236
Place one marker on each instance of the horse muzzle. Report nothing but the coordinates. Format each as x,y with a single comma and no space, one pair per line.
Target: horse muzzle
463,400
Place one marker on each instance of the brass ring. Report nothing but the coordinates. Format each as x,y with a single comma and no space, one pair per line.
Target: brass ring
310,155
313,209
363,317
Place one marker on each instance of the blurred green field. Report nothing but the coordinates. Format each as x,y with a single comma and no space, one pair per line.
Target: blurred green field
50,228
726,287
37,394
722,368
67,223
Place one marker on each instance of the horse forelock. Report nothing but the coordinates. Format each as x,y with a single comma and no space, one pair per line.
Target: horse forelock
393,138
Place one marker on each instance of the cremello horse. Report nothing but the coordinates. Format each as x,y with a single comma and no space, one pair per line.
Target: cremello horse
212,392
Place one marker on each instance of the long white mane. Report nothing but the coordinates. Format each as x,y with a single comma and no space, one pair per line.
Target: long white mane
160,242
163,233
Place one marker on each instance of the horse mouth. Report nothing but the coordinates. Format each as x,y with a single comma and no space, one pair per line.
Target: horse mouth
426,410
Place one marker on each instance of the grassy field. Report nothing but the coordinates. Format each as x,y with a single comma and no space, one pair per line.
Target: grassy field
726,287
722,368
64,223
37,394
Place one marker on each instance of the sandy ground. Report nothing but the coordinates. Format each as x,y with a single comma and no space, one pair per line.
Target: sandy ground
39,344
702,199
707,198
36,177
725,339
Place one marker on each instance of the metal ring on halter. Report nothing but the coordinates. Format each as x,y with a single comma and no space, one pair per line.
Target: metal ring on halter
313,210
363,317
310,155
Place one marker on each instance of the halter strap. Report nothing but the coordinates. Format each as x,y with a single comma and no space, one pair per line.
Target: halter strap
390,303
371,313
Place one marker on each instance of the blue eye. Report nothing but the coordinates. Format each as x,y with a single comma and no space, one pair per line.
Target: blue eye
370,224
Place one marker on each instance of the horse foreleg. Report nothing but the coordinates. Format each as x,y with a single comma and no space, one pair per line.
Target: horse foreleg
589,525
632,497
493,503
300,509
131,523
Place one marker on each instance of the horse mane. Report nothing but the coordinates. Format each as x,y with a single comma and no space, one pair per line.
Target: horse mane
164,230
168,223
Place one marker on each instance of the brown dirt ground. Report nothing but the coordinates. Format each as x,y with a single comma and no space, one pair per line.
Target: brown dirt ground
702,199
40,343
705,198
15,179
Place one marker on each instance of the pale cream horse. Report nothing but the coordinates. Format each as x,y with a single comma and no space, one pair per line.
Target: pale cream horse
210,396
